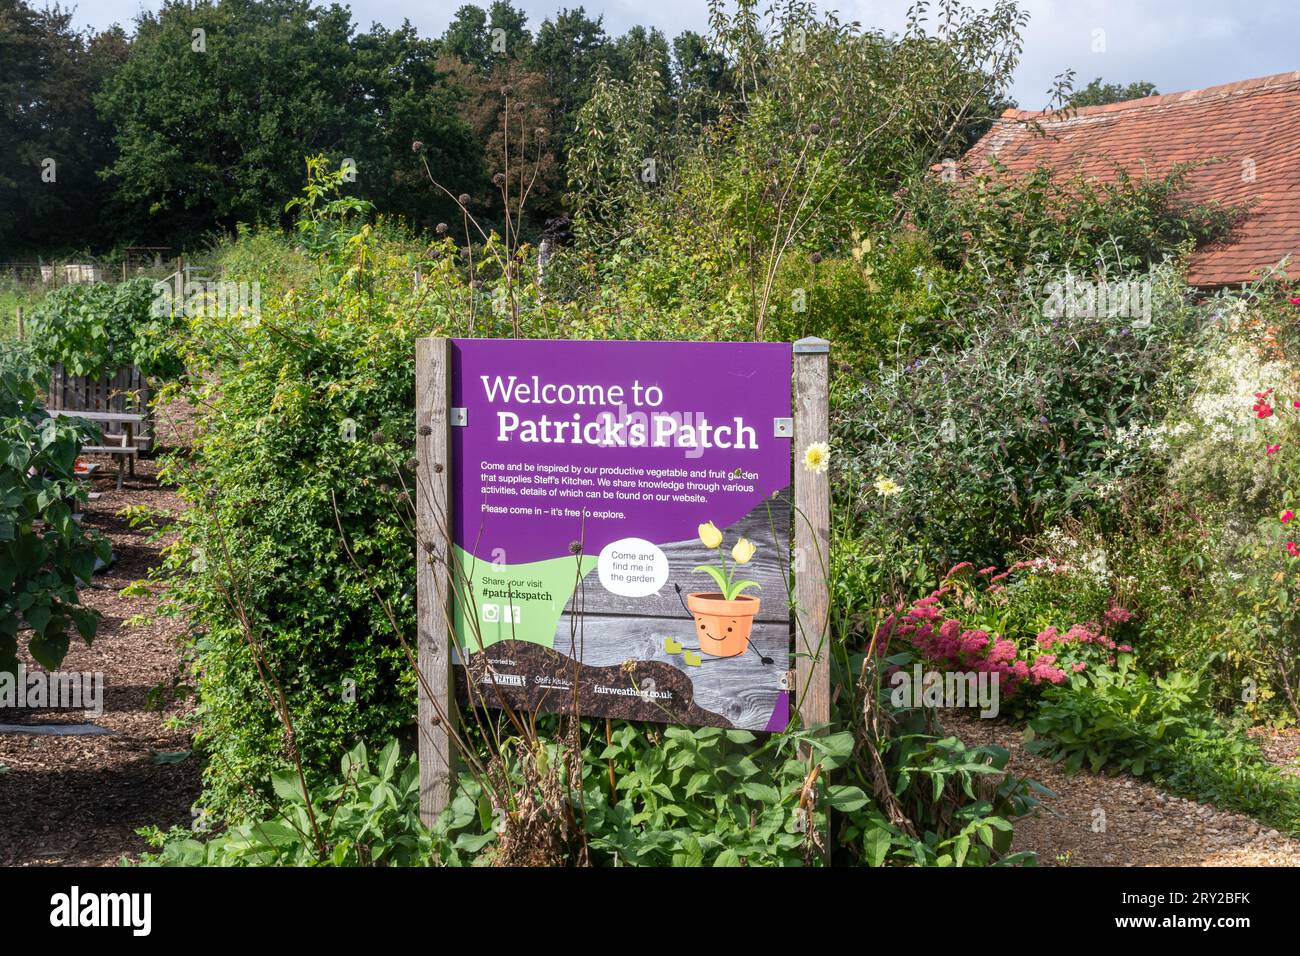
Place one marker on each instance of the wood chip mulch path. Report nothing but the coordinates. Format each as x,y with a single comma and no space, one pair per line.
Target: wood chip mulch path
77,800
1142,825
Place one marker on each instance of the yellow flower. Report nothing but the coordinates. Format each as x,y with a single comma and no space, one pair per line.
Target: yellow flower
710,535
743,551
885,487
817,457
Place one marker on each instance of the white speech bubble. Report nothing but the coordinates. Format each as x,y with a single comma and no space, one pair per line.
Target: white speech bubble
632,567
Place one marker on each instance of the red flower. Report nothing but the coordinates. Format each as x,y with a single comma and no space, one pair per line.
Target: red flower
1262,409
1295,301
1264,394
1272,449
1292,549
1287,515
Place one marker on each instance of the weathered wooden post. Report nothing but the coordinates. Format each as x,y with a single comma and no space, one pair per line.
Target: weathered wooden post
433,580
812,521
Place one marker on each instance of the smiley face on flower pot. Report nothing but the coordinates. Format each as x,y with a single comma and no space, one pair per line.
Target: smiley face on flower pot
724,618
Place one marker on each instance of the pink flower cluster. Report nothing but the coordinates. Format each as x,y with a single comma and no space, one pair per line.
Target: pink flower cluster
938,637
1116,615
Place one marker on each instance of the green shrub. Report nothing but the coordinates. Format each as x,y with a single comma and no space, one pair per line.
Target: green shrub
44,553
1000,438
302,447
1164,728
1004,225
101,327
1120,720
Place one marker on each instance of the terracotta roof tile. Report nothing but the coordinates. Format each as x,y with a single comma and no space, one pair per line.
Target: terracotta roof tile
1245,130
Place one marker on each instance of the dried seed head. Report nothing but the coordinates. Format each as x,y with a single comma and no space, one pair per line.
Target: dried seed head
425,430
815,258
412,463
416,146
441,229
575,547
499,179
463,199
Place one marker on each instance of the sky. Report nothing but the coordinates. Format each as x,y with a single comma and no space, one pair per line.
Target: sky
1175,44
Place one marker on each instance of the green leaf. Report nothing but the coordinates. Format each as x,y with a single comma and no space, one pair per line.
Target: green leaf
733,592
876,842
715,574
285,785
846,798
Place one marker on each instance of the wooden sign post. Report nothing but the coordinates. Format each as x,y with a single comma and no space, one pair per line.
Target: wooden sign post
576,535
437,704
812,535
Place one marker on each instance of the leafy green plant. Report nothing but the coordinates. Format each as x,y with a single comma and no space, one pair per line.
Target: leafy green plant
1164,728
44,553
366,816
1126,721
96,328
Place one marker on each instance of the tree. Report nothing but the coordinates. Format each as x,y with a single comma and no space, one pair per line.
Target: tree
52,140
511,112
411,100
467,37
696,67
1098,93
514,39
482,37
567,52
219,102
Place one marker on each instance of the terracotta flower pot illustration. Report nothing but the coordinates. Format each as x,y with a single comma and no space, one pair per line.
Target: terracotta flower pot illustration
721,626
723,618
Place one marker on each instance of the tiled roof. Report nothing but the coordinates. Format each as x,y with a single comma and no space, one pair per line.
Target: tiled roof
1252,128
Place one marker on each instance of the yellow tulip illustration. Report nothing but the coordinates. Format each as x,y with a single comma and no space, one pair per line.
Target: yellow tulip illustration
723,618
710,535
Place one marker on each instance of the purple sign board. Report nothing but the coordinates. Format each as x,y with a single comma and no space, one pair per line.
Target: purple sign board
621,528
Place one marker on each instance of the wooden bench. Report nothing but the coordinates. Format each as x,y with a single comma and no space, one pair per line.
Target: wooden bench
125,452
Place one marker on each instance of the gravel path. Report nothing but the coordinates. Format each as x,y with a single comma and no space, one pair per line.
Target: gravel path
1099,820
77,800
